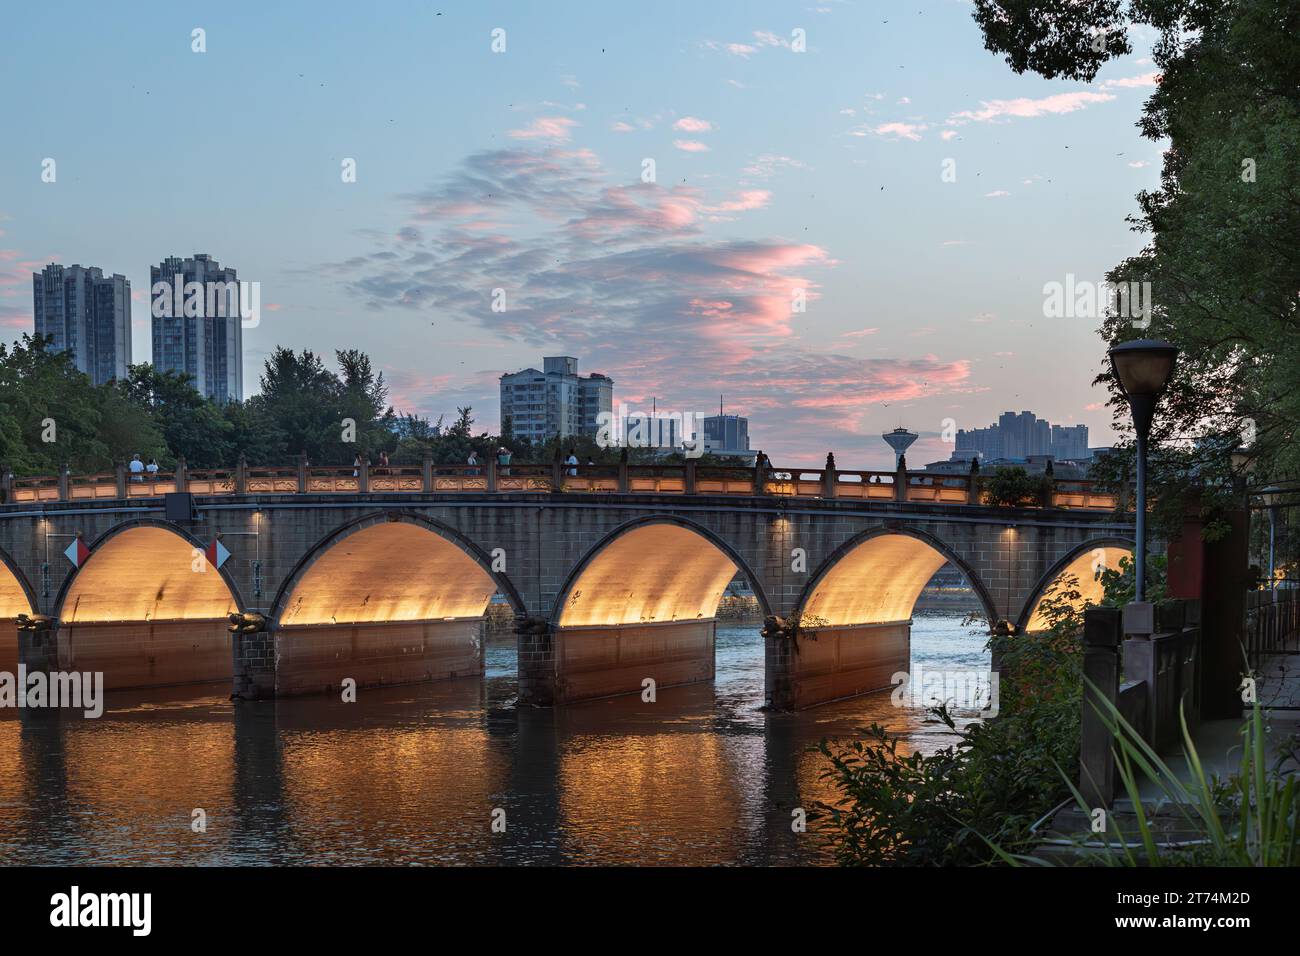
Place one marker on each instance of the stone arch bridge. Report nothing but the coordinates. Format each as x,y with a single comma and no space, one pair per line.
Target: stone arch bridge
610,583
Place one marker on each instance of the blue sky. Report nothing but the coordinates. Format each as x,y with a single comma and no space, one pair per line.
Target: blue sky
776,170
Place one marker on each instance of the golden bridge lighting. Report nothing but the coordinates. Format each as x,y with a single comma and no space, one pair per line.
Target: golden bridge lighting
877,581
146,574
653,573
392,571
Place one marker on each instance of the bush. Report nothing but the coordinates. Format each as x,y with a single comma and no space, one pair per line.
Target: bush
1013,487
992,785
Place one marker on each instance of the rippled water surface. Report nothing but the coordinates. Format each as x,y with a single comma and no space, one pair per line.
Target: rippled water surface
412,775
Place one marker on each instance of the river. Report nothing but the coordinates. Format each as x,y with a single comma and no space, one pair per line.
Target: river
418,774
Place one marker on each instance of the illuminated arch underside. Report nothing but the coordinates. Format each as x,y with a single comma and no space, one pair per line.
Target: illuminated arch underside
1090,588
877,581
653,573
390,572
146,574
13,599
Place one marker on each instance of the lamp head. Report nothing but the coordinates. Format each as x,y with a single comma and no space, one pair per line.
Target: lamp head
1143,368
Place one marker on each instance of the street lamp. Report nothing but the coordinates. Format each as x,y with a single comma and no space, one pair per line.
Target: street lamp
1143,368
1272,496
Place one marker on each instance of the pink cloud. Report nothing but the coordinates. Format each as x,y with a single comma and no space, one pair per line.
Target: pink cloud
1024,107
642,283
910,131
546,127
690,146
692,124
1132,82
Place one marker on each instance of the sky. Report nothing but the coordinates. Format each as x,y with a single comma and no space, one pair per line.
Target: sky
652,188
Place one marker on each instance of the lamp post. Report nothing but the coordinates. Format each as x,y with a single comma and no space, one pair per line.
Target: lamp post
1272,496
1143,368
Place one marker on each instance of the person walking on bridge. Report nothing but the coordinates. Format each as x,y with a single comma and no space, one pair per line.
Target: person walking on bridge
137,468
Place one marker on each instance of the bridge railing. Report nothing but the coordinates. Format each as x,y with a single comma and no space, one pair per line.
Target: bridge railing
491,477
1081,494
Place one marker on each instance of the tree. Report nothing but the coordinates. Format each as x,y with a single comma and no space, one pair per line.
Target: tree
302,405
51,411
1223,253
192,426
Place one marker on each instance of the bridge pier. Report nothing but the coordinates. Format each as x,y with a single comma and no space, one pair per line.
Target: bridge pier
315,657
597,661
133,654
536,661
254,658
810,666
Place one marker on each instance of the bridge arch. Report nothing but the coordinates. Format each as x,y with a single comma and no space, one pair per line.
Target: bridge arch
686,565
1079,562
147,610
391,597
16,597
157,557
16,594
847,590
402,551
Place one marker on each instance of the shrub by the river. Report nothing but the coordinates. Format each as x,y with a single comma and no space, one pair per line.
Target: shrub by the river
907,809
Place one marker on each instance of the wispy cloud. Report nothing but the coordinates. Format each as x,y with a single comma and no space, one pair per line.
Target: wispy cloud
591,266
692,124
910,131
556,128
1026,108
690,146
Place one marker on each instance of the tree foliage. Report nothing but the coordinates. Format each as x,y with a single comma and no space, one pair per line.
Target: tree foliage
1223,228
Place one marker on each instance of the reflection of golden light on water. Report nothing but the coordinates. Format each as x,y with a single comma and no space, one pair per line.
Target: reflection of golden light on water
142,779
422,794
649,798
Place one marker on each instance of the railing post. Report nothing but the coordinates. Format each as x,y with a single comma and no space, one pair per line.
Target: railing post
426,470
6,484
363,476
900,479
119,475
624,480
1101,639
828,476
64,472
241,475
302,472
689,480
1049,486
760,474
181,480
557,475
492,474
973,495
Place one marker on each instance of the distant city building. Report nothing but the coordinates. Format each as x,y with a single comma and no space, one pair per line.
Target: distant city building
207,344
86,313
648,430
1020,436
555,401
727,436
